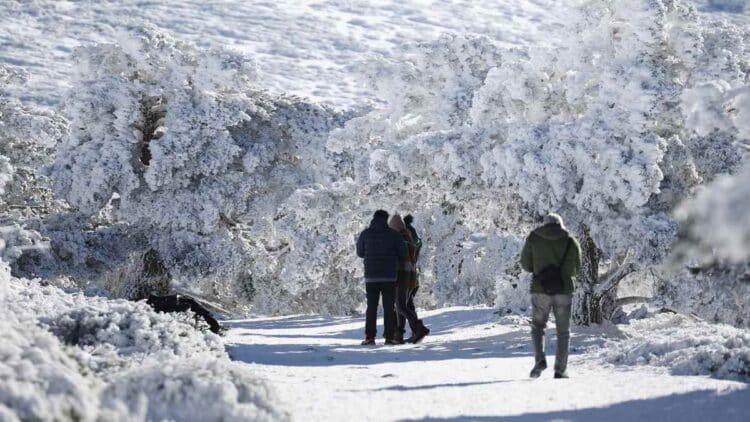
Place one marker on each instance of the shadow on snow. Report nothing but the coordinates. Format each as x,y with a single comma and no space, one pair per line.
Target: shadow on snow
696,406
506,345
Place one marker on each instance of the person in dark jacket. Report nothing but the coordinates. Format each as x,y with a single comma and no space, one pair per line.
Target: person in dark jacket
415,334
381,247
407,281
550,249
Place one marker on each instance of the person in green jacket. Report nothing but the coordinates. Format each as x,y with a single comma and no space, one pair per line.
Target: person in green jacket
551,249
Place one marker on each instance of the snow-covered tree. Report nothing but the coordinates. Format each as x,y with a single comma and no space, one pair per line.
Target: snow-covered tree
178,144
592,130
27,136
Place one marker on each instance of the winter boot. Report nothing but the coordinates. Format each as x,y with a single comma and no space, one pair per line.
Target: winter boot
399,338
392,342
538,368
420,334
368,342
561,375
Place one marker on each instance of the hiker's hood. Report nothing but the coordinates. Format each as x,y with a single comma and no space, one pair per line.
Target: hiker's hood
379,222
551,232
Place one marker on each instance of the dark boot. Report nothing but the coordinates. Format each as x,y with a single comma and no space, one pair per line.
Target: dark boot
392,342
368,342
399,338
420,334
561,375
538,368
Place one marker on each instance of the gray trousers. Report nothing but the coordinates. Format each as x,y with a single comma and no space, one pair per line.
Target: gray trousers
540,306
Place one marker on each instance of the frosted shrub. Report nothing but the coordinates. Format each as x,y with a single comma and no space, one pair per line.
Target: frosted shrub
27,137
114,360
179,145
125,332
194,390
40,380
686,346
717,218
718,293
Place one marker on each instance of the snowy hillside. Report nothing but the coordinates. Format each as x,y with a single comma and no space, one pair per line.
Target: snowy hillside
232,151
306,47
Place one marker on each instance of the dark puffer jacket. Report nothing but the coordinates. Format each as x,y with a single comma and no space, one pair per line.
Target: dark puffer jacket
381,247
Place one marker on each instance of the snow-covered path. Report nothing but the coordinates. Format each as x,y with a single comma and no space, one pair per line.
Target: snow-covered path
473,367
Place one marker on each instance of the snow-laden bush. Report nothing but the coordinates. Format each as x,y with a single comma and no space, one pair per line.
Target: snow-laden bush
717,225
717,293
27,137
194,390
477,273
123,333
71,357
40,381
150,121
717,219
685,345
176,143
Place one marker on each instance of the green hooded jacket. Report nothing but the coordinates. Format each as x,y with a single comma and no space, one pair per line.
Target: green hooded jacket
546,246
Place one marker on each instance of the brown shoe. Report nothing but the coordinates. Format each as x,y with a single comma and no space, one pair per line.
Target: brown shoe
392,342
368,342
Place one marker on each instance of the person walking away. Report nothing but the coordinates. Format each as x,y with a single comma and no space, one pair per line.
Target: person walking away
381,248
408,220
407,282
554,257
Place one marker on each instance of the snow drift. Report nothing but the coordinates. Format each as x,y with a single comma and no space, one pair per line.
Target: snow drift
71,357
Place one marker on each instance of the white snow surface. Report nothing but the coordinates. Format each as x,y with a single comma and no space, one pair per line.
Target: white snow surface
67,357
474,366
308,47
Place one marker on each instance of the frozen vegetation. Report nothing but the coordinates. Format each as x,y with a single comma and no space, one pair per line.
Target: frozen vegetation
141,157
66,356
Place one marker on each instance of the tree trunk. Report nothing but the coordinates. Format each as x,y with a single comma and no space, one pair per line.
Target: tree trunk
595,299
584,306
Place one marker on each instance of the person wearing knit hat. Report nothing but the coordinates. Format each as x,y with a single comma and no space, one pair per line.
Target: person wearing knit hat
407,282
408,220
554,257
381,249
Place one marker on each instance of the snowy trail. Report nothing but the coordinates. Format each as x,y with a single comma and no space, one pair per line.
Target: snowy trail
472,367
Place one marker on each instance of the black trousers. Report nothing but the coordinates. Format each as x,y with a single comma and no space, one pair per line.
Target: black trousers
406,311
374,290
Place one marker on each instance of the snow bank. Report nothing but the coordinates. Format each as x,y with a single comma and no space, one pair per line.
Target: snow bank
71,357
40,380
123,334
194,390
685,345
